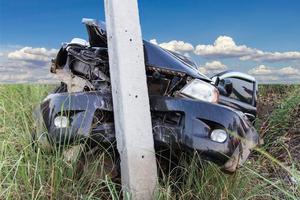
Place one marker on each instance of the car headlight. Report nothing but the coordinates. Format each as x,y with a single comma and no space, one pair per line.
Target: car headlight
219,135
201,90
61,121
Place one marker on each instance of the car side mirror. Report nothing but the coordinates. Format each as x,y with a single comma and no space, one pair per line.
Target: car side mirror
227,84
224,85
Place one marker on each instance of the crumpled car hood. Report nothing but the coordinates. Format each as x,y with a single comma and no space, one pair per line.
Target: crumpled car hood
155,56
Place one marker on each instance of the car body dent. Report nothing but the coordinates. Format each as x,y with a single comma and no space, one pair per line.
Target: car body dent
192,133
193,119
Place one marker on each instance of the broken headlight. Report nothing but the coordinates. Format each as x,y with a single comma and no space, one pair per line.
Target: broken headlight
201,90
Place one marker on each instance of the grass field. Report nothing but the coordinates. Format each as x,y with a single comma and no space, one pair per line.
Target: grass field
272,172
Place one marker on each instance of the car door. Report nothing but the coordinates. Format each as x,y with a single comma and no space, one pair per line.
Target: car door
239,91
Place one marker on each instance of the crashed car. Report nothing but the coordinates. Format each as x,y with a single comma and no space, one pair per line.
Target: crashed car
189,110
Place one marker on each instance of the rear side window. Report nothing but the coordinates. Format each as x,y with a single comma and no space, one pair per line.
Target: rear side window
242,90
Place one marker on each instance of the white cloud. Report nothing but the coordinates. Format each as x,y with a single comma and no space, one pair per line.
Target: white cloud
215,65
265,70
271,74
15,76
26,64
290,71
153,41
203,70
212,67
7,63
261,70
225,47
26,74
272,57
35,54
175,45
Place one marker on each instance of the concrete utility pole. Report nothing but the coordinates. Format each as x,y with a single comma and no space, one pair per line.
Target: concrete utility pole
130,98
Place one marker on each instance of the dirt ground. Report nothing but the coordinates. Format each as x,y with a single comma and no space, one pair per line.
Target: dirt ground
287,146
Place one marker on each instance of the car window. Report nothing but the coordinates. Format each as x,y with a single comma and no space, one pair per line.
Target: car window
242,90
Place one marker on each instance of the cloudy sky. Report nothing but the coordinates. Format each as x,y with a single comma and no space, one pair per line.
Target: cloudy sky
258,37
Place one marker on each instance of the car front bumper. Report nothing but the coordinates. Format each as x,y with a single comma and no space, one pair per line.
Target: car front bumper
199,119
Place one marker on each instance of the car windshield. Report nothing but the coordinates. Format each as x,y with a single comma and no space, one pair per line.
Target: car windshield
184,59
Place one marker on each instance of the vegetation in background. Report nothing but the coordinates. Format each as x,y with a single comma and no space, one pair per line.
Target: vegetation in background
272,172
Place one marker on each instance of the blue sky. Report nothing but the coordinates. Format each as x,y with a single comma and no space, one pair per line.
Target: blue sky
252,32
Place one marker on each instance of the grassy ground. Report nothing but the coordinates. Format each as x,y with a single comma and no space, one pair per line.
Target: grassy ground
272,172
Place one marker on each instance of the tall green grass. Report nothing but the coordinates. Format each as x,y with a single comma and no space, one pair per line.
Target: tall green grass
29,174
26,173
